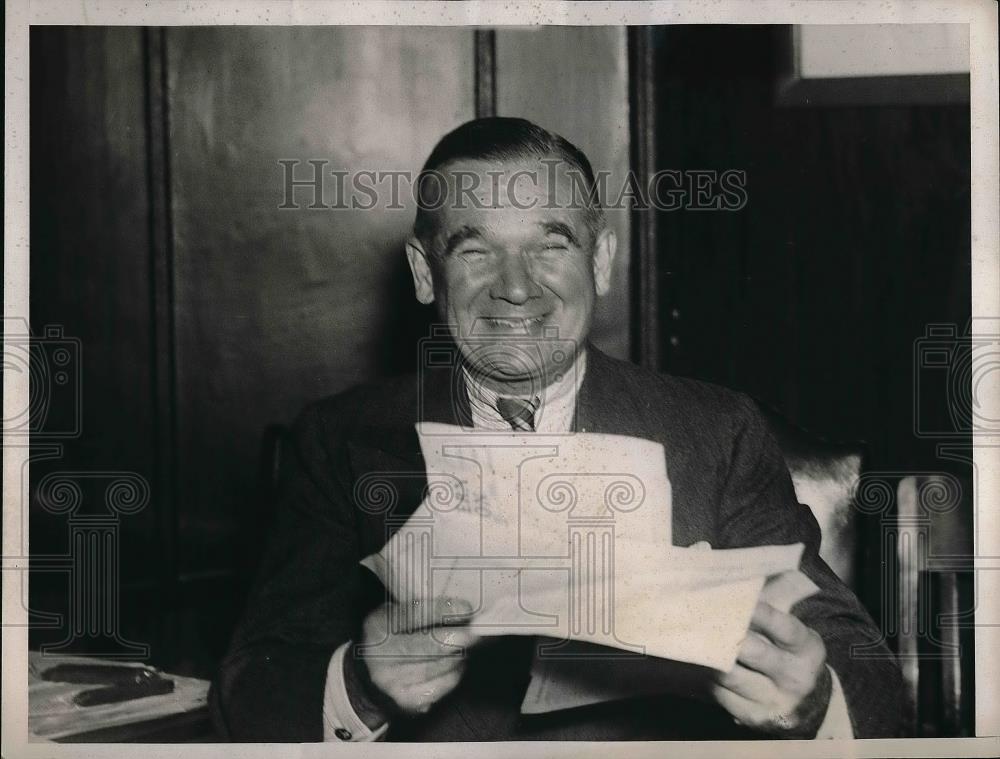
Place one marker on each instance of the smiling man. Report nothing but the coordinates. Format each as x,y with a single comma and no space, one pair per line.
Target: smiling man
513,252
512,249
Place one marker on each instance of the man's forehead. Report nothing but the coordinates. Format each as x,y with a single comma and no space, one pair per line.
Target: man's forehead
542,175
484,228
508,221
528,193
520,198
544,164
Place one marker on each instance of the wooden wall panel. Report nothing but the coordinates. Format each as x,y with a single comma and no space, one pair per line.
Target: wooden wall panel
206,311
854,238
574,80
277,307
90,276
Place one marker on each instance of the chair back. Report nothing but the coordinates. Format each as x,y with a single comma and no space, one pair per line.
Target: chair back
824,474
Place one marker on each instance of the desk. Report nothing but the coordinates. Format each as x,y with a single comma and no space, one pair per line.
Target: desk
189,727
177,717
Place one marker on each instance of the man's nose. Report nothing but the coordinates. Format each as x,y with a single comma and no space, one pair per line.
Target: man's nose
514,281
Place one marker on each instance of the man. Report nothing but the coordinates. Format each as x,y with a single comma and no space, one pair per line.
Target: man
513,250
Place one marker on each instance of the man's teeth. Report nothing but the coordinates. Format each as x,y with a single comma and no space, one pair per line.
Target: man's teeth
514,323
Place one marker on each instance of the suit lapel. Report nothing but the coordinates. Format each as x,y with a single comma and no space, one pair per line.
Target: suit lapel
439,395
386,461
603,405
445,398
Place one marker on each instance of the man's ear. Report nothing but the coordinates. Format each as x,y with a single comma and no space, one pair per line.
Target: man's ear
420,267
604,257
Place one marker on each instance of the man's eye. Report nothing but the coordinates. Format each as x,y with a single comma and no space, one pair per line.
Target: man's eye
555,246
472,253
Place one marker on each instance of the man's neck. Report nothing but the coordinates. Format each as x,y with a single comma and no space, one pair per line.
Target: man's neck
554,405
529,386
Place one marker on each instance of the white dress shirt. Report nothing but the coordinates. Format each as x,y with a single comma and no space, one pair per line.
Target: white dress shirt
555,409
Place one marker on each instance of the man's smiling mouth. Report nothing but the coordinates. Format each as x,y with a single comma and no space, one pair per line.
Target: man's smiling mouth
499,321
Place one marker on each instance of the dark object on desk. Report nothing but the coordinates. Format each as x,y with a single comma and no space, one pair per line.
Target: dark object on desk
98,674
114,694
85,699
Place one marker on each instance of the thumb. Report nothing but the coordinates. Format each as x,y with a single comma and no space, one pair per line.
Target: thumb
422,614
446,610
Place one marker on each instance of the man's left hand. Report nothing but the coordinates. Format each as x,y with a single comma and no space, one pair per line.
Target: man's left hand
780,683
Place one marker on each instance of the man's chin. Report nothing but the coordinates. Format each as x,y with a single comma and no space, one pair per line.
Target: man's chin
517,378
508,363
504,373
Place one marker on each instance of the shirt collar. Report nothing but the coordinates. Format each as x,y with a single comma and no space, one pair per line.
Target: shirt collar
555,408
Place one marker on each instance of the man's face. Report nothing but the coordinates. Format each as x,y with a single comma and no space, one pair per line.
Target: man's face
516,274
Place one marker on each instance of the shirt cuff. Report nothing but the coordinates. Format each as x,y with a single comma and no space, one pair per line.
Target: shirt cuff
837,723
340,721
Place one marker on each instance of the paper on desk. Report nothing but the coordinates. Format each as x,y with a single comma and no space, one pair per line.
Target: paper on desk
569,537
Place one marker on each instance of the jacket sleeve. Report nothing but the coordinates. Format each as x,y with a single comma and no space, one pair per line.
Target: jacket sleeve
305,602
759,507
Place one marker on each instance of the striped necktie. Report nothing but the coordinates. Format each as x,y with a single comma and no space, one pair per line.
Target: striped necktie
519,413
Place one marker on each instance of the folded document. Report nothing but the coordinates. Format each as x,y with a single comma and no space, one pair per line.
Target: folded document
569,537
582,675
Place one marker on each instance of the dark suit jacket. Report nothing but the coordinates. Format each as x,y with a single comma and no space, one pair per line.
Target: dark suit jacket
356,473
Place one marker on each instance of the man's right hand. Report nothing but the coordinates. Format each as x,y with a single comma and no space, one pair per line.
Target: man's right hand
413,655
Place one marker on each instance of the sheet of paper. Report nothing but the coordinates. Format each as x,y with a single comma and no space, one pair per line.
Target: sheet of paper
568,537
584,678
505,506
568,684
785,590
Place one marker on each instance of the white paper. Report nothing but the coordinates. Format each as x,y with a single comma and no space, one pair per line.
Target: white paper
568,537
507,511
565,684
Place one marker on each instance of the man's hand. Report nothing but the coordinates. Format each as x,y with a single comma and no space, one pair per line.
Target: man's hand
780,684
411,656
